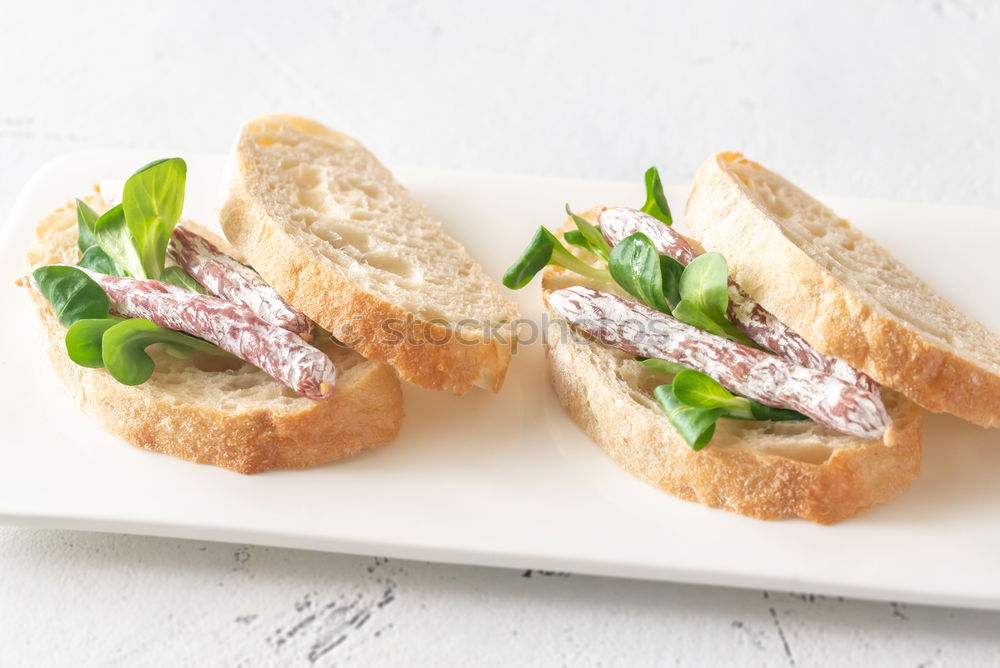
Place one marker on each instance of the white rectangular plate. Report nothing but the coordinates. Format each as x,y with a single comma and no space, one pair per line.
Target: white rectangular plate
508,480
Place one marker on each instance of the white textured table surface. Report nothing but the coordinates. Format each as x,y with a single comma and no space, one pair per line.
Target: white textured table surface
892,100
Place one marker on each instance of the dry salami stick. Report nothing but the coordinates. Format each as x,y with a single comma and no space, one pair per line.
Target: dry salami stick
753,319
619,223
770,380
232,327
232,280
223,275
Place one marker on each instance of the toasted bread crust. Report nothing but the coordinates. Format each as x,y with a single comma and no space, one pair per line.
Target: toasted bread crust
364,412
430,354
426,354
750,482
836,321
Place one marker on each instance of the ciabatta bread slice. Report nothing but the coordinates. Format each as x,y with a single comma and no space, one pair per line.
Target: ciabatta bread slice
842,292
326,224
237,418
768,470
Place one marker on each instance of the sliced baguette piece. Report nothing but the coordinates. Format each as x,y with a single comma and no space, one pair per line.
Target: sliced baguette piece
240,419
326,224
842,292
767,470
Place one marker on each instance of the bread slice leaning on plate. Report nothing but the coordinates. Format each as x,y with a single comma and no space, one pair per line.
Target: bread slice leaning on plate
237,418
327,225
842,291
767,470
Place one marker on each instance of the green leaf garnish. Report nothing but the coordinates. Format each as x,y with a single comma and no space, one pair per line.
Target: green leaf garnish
699,390
665,367
533,259
704,292
124,351
178,352
687,312
670,272
545,249
695,401
85,220
705,283
114,238
576,238
124,348
95,259
177,276
153,199
648,276
83,340
72,294
656,202
770,414
87,346
695,425
592,239
562,257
